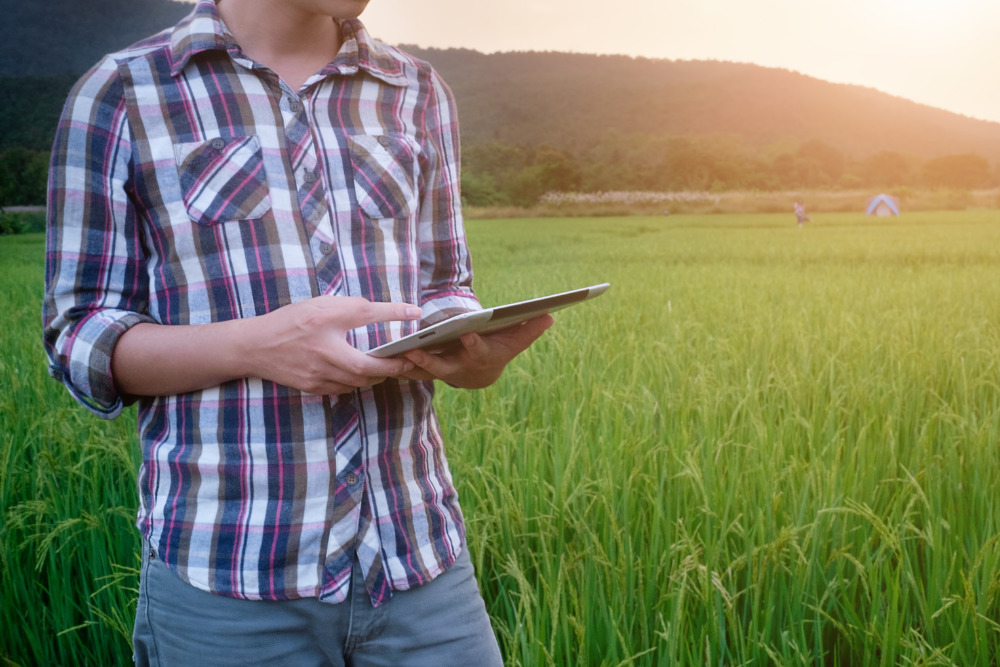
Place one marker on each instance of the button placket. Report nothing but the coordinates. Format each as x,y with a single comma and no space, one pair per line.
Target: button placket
305,165
327,263
311,190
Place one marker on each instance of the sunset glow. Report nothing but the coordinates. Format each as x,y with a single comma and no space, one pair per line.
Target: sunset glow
935,52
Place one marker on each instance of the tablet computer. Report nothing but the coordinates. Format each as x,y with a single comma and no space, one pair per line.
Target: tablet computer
486,321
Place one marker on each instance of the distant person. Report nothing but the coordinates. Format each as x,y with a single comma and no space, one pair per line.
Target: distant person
239,208
800,213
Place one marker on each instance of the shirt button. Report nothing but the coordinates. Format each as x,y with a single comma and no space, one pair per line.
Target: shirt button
351,479
309,177
218,143
294,105
325,248
383,140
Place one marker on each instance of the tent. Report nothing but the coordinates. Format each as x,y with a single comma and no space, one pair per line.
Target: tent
883,205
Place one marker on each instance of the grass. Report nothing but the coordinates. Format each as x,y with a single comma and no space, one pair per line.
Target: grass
765,445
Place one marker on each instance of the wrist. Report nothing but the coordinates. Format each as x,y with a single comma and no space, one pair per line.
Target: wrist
242,347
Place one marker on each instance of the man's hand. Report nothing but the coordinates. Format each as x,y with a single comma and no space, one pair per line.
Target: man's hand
302,345
480,360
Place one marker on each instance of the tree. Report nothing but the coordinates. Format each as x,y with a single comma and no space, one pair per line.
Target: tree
823,163
887,169
502,173
23,176
480,190
964,171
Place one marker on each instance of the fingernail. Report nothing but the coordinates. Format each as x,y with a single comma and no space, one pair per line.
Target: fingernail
413,311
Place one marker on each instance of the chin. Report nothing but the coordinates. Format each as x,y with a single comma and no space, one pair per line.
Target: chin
347,9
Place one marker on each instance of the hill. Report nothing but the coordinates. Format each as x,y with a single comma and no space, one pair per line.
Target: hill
534,122
572,100
57,37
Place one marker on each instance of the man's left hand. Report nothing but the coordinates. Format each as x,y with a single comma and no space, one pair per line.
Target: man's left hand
479,360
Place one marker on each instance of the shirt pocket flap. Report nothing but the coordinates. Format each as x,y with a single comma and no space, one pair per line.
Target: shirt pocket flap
223,180
383,169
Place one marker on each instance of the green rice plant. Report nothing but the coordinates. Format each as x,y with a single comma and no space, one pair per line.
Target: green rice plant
68,548
770,436
765,445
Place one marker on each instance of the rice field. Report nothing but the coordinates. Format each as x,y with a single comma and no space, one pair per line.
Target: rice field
765,445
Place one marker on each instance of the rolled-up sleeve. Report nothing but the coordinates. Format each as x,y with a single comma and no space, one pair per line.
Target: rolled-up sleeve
445,261
95,284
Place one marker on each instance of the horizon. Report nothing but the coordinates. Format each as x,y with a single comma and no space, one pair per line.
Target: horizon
926,51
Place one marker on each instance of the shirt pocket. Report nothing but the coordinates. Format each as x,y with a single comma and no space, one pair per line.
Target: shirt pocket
383,169
223,180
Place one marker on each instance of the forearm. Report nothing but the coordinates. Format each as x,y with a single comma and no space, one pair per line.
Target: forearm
303,346
161,360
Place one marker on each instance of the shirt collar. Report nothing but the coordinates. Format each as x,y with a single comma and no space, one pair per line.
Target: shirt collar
360,51
202,30
199,31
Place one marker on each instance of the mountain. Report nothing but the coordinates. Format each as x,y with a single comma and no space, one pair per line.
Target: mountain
571,101
53,37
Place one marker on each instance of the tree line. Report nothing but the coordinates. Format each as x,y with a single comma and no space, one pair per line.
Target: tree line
506,174
498,174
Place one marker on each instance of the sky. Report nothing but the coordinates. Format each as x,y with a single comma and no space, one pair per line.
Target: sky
944,53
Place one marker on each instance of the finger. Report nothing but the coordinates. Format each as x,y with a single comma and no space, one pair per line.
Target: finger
517,339
534,329
368,312
474,344
418,374
343,384
432,364
349,365
480,351
387,367
337,389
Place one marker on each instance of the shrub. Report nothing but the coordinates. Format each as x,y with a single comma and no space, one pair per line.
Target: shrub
21,222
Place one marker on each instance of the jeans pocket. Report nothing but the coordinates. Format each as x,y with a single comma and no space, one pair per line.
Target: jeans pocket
223,180
383,170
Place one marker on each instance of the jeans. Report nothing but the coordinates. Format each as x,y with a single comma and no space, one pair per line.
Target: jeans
441,623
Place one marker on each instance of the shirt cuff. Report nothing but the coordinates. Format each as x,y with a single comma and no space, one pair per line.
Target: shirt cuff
85,368
442,306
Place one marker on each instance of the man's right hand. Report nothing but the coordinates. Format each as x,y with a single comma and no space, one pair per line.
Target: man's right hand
302,345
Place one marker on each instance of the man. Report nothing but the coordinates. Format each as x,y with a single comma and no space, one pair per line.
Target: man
239,208
800,213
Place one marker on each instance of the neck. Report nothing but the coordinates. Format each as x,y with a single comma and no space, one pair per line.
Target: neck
292,42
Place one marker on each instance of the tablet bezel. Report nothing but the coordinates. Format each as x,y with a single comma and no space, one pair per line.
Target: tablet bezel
487,320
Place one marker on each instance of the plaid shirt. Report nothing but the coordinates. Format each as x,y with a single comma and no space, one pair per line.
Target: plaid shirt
190,185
